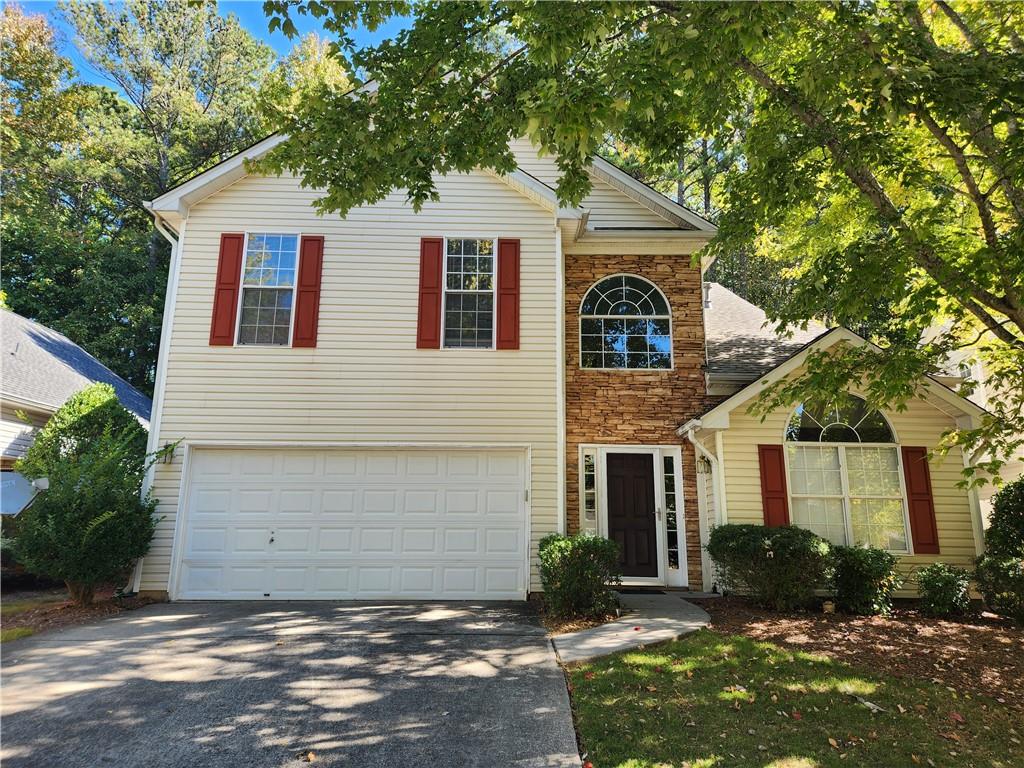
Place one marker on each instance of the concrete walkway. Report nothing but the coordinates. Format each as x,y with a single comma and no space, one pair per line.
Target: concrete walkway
651,618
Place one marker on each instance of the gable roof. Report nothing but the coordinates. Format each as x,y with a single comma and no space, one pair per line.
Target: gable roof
44,368
173,205
741,342
935,391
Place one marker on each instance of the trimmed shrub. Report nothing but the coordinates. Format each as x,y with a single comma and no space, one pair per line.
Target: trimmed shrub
864,579
93,523
945,590
779,567
1001,583
1005,534
579,573
1000,570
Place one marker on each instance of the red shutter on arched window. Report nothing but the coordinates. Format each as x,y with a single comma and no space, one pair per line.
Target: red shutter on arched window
774,500
307,291
508,294
428,323
920,502
225,292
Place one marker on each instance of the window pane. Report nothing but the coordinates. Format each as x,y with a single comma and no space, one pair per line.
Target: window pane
821,516
266,316
879,523
815,470
873,471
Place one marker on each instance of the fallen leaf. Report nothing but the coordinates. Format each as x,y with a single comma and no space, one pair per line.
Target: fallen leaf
796,715
307,756
588,675
833,742
902,709
956,717
916,759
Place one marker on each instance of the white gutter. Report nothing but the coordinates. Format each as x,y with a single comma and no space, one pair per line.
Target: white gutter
170,295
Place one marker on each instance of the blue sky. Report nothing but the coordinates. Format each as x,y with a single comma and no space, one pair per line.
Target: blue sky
249,13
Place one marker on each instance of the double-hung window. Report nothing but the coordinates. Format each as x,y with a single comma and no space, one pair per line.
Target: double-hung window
844,475
469,293
268,289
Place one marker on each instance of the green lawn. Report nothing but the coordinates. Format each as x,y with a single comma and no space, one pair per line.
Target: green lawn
14,604
718,700
15,633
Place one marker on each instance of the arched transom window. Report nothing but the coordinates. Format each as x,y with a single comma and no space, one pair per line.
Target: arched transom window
625,323
845,476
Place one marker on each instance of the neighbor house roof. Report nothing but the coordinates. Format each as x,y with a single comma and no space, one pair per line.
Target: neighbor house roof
42,367
742,344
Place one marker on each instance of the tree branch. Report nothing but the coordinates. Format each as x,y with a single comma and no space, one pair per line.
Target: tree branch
975,297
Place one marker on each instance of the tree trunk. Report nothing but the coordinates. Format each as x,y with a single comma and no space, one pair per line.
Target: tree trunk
81,594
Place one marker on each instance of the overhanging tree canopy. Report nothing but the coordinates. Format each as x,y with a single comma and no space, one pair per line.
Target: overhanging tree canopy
882,153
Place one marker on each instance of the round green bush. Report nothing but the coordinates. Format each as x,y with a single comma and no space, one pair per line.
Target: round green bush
1000,570
578,574
1005,534
779,567
864,579
945,590
1001,583
93,522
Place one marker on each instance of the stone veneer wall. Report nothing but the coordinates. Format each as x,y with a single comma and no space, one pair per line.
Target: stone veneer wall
637,407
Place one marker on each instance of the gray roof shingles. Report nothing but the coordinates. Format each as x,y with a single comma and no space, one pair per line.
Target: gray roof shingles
741,343
40,365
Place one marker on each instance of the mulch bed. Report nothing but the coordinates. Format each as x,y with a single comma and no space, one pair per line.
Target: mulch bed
57,615
982,655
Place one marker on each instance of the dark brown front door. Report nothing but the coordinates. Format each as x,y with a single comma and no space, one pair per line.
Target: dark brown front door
631,520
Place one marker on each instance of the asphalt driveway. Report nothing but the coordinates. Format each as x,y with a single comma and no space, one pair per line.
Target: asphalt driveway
260,684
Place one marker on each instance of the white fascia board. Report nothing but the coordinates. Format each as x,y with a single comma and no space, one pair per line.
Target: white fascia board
537,191
649,198
633,233
179,199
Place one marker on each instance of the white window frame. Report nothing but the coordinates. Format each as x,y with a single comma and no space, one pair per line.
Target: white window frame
494,290
844,479
580,317
242,286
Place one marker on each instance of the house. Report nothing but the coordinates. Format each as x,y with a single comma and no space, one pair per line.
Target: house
39,370
395,404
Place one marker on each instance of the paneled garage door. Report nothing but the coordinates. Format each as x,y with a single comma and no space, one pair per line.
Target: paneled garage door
336,524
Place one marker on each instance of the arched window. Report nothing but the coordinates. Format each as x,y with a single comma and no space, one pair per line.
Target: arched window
625,323
844,474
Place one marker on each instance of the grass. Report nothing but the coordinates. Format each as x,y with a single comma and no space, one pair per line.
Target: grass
14,607
6,635
719,700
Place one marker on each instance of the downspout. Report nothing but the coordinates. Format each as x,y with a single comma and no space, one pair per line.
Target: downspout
153,439
560,451
702,521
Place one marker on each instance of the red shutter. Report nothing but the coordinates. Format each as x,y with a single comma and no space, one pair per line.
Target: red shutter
508,294
225,292
774,501
307,291
428,327
919,501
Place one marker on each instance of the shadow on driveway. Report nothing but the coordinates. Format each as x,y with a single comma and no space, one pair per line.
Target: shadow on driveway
258,684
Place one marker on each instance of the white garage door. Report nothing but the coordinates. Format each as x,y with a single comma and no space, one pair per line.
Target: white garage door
364,524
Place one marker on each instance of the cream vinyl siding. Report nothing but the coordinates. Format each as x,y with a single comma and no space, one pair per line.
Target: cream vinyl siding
16,435
921,424
365,382
608,206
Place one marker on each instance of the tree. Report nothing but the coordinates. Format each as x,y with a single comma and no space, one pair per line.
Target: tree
93,522
882,158
80,251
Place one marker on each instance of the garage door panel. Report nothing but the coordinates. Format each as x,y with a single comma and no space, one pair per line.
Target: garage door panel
336,524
